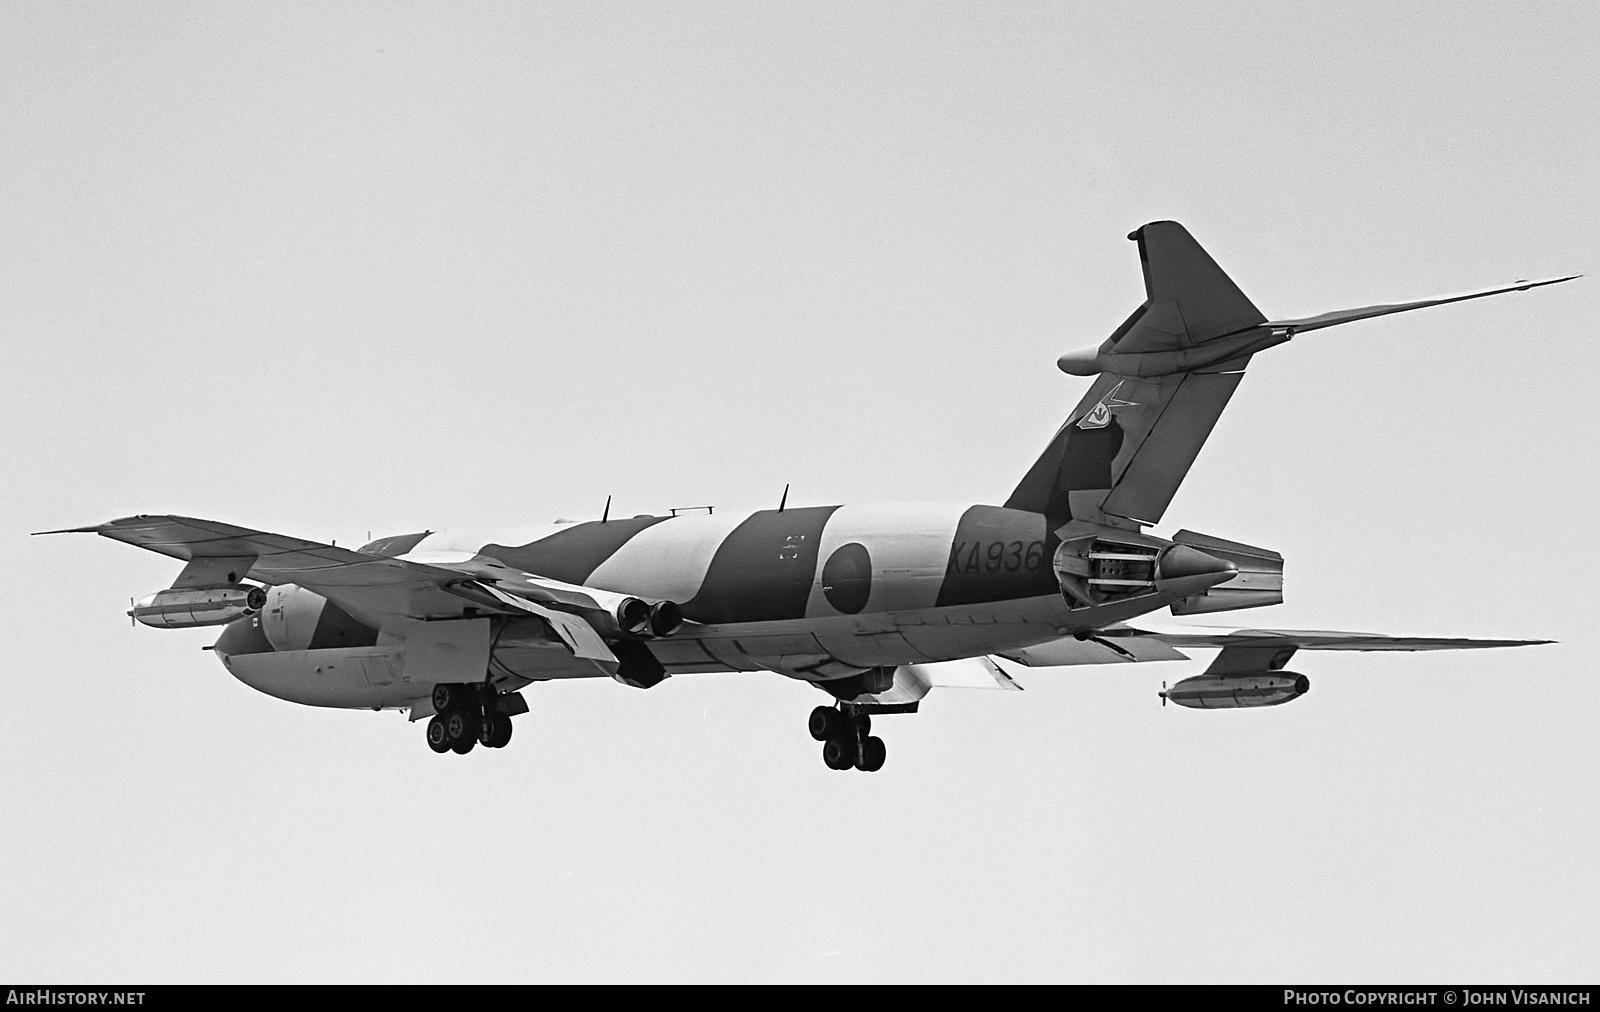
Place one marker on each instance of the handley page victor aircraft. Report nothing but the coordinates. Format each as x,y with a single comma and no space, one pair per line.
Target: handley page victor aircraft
874,605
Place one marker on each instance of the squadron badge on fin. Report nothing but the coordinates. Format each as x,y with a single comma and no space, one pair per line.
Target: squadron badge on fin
1100,415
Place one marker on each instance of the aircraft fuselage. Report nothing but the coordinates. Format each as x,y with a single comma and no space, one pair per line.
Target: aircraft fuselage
815,592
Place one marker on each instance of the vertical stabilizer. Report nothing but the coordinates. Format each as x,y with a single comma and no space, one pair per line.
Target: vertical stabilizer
1163,379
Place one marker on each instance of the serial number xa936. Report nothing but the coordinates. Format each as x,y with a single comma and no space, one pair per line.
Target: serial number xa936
995,556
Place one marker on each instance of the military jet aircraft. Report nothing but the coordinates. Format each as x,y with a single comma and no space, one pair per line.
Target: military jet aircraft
873,604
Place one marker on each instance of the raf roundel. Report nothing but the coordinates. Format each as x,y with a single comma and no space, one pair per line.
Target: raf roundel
847,578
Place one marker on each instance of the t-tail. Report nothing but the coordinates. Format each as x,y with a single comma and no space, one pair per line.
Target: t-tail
1164,377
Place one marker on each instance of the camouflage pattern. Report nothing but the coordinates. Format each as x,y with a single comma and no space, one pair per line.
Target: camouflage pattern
841,596
814,592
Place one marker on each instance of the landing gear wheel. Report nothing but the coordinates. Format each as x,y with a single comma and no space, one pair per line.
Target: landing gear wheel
437,739
463,746
825,723
448,697
496,731
839,753
459,727
873,753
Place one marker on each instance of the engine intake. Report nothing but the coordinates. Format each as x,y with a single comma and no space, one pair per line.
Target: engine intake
190,608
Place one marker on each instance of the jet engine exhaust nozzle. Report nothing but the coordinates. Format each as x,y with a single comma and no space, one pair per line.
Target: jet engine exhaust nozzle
633,615
666,618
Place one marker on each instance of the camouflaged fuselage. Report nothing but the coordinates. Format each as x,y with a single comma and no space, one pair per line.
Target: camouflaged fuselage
794,589
812,592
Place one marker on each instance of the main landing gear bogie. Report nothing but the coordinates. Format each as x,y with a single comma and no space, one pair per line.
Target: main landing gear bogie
467,716
847,741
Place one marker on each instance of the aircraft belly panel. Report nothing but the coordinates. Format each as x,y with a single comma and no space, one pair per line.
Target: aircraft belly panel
363,677
974,630
872,649
679,650
765,652
541,663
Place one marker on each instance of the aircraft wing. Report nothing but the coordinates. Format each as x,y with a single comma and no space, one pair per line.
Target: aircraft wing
1122,643
382,592
1339,316
1317,639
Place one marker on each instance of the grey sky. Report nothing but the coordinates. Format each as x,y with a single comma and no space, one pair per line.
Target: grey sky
325,270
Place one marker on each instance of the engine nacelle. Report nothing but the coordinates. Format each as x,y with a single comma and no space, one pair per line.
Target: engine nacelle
189,608
1228,692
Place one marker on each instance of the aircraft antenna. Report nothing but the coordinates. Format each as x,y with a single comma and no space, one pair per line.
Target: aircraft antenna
785,500
607,514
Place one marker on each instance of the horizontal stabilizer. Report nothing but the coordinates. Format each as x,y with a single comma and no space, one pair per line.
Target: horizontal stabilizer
1339,316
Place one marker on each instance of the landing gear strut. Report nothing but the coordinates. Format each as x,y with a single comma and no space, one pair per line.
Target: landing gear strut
847,739
467,715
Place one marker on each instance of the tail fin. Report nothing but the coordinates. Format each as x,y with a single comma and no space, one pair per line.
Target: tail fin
1164,377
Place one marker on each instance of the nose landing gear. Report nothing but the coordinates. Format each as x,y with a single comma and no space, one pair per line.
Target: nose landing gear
847,740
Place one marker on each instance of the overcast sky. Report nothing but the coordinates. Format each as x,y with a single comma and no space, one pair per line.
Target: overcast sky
327,270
